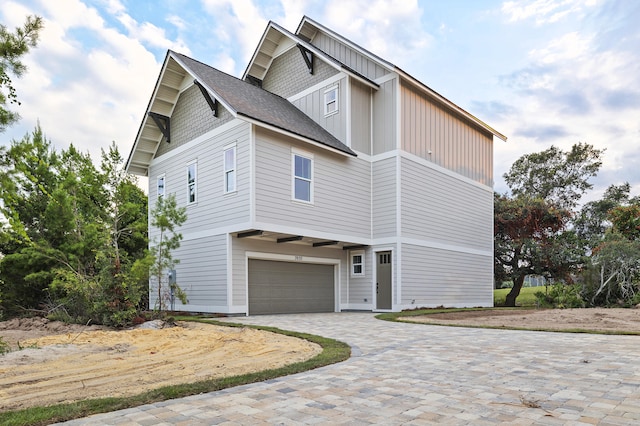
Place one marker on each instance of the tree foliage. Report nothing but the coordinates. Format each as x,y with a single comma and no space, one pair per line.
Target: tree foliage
532,236
166,216
13,47
73,233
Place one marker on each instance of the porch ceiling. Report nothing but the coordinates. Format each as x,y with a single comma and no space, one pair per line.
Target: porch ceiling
285,238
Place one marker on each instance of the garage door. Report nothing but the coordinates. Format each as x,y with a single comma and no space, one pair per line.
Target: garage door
287,287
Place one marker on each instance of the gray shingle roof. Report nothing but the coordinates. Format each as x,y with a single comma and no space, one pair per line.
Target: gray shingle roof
258,104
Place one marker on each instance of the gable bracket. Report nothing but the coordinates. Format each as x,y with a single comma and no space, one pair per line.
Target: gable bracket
164,124
213,103
307,55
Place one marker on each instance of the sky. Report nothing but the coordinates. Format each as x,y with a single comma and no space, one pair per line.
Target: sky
541,72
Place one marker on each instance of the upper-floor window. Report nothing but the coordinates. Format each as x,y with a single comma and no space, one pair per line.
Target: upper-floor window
161,186
331,101
230,168
302,177
192,171
357,263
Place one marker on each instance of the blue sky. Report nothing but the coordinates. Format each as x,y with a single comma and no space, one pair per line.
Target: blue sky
542,72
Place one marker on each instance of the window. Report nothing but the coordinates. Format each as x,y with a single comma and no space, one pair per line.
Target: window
161,186
192,170
230,169
357,263
331,101
302,177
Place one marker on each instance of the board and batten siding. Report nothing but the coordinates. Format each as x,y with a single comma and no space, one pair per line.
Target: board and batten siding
341,188
213,208
360,117
349,56
191,118
436,134
240,247
313,106
443,209
436,277
384,117
384,198
288,74
201,273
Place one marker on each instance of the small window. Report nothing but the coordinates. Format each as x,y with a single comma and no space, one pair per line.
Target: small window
302,178
357,263
331,101
161,186
192,170
230,169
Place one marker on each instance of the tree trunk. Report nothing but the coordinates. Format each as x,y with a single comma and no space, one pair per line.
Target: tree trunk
518,281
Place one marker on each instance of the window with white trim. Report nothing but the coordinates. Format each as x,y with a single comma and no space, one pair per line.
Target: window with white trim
230,169
357,263
160,186
331,101
302,165
192,171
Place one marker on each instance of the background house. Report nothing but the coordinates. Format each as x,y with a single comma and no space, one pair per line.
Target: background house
325,179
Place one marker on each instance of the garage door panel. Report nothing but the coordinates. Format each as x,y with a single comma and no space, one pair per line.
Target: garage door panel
288,287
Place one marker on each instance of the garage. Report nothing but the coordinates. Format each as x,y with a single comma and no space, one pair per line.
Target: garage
289,287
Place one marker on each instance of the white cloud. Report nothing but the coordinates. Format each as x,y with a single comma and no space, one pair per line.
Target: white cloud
543,11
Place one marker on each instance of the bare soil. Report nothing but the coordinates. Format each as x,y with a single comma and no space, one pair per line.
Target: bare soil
59,362
592,319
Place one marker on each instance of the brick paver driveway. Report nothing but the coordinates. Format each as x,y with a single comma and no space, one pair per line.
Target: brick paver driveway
418,374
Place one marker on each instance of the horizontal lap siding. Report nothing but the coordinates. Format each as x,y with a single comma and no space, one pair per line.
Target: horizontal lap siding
342,200
436,134
360,287
434,277
440,208
202,272
384,198
213,208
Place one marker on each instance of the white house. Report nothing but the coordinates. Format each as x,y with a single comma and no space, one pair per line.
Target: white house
325,179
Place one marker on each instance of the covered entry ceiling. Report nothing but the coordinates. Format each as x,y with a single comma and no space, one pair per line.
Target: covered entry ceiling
289,287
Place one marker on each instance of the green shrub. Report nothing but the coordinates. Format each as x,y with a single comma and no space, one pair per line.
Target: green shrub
4,347
561,296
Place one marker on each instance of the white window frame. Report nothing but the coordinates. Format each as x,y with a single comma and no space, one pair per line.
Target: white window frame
193,164
353,264
306,155
232,169
329,101
162,178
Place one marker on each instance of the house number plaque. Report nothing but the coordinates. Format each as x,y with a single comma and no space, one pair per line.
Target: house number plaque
298,258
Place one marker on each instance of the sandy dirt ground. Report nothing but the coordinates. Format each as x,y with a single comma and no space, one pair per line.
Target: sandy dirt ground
596,319
63,363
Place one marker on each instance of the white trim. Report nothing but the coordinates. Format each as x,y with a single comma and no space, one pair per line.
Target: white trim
278,257
193,163
317,87
162,176
387,77
333,89
197,141
295,152
232,146
362,264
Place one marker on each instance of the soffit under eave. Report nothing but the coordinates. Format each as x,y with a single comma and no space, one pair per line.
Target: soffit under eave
265,53
163,101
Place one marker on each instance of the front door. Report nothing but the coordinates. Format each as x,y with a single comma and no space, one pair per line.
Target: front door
383,280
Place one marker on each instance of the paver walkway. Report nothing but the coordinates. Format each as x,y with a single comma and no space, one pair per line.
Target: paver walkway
414,374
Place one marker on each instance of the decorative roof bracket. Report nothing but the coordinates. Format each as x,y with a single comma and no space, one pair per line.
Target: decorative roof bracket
164,124
213,103
307,55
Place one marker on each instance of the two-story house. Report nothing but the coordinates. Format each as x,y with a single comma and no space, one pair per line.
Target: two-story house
325,179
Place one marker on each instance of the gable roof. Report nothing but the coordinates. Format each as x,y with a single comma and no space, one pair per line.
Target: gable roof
308,28
275,39
243,100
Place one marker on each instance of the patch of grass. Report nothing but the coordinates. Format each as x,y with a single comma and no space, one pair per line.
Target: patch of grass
333,351
4,347
527,296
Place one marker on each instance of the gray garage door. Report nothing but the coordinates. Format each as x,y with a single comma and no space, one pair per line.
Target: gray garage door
287,287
